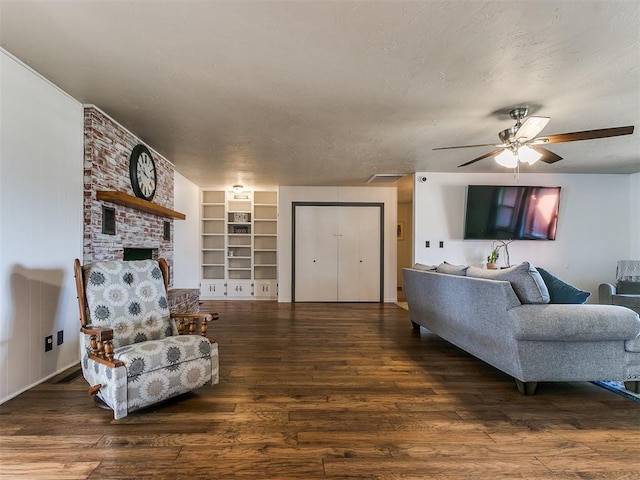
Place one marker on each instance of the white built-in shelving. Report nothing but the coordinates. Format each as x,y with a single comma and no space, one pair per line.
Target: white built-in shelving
239,244
213,244
265,243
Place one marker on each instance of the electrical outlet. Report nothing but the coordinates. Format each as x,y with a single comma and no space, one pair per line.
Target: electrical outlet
60,337
427,244
441,244
48,343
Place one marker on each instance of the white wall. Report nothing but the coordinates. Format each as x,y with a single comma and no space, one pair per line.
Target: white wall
288,195
634,216
186,234
41,225
593,225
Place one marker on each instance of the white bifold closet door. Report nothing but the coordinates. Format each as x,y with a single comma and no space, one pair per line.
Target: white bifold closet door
338,254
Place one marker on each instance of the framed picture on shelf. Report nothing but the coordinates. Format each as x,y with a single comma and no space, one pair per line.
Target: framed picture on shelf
241,217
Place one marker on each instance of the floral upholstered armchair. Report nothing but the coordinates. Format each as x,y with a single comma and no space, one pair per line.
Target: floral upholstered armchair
133,353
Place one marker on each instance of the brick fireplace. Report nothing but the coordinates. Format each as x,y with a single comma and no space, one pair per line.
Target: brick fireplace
107,146
135,253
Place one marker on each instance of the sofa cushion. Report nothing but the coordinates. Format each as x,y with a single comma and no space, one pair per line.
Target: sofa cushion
573,323
167,353
424,268
130,298
628,288
524,278
445,267
560,291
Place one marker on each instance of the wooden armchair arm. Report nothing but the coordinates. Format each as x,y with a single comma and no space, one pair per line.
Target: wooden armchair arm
101,345
191,320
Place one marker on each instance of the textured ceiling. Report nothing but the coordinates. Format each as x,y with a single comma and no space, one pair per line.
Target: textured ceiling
330,93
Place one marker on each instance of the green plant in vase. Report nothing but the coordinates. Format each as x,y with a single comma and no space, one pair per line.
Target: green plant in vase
492,259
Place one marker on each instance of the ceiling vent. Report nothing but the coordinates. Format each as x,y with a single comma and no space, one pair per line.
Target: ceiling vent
386,177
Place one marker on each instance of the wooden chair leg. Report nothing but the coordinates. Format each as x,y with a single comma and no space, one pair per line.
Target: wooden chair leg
95,389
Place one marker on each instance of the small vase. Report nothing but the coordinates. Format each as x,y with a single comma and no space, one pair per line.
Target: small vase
492,266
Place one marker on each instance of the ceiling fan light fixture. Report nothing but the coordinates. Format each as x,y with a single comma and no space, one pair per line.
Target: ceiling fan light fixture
507,159
507,136
528,154
516,141
531,127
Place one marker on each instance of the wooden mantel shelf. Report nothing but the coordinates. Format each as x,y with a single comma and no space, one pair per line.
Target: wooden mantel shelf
130,201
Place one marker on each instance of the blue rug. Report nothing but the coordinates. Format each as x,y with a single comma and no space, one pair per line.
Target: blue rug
618,387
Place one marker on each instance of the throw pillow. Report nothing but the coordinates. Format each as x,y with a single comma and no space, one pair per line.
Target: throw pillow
560,291
445,267
524,278
423,267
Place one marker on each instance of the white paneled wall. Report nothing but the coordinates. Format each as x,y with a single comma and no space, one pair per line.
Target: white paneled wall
41,148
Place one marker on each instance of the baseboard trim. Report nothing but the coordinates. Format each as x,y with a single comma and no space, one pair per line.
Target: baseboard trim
29,387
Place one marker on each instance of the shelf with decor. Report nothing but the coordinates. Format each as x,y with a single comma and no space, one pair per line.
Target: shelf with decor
239,245
126,200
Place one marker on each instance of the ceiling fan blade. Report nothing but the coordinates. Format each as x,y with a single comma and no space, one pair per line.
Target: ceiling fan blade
585,135
490,154
547,155
531,127
469,146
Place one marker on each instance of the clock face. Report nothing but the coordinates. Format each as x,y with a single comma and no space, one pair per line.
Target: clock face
142,171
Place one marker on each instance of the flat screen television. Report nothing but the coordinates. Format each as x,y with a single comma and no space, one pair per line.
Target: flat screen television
498,212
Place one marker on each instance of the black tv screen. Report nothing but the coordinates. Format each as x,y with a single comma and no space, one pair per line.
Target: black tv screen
497,212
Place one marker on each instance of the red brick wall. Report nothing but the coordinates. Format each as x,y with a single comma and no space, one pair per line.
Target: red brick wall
107,147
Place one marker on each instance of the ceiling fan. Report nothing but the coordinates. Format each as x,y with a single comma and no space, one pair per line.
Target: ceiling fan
520,143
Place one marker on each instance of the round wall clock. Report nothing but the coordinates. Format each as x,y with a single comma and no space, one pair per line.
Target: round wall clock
142,171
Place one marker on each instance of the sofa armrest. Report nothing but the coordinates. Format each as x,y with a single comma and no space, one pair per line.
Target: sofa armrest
574,323
606,291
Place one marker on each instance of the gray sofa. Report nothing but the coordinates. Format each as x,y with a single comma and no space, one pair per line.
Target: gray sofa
534,341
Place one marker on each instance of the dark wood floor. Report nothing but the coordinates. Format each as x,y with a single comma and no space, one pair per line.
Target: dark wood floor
314,391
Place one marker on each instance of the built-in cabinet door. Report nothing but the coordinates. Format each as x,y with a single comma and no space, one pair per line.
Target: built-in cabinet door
265,289
239,289
210,289
359,254
316,254
337,254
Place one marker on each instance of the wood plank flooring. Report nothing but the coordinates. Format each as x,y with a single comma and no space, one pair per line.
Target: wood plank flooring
316,391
